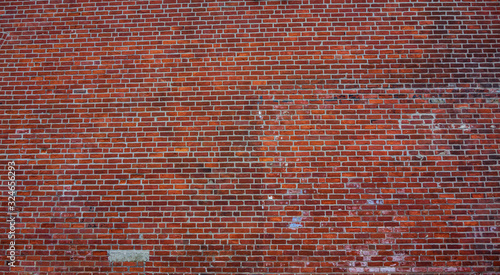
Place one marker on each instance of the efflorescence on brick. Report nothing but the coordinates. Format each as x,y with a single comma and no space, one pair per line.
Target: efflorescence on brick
252,137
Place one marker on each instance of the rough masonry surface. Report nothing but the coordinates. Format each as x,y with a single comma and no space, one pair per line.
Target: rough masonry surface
251,137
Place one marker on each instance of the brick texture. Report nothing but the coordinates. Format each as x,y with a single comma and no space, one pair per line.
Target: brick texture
251,137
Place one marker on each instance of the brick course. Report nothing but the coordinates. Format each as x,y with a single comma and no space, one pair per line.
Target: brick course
251,137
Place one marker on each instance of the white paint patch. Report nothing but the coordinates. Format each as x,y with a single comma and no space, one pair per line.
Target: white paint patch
295,222
294,191
368,253
294,225
398,258
465,127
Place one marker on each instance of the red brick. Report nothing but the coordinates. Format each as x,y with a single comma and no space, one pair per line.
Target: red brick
260,137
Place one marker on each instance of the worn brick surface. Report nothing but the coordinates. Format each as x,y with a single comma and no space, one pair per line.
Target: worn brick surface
252,137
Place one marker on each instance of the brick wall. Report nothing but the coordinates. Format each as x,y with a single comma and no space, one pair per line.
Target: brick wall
251,137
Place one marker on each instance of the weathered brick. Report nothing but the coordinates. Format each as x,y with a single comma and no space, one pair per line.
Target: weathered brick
259,137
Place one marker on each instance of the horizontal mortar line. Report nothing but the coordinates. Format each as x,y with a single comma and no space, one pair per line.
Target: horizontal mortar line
285,158
216,113
213,154
238,194
245,161
362,91
239,211
198,128
255,102
227,63
198,158
240,189
298,61
219,177
62,222
215,36
394,93
230,67
211,229
329,37
328,100
267,166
